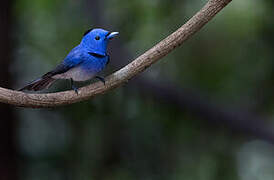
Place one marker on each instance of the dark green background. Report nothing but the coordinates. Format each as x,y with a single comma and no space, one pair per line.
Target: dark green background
197,114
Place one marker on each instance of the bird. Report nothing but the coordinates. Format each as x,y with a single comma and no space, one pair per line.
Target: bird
82,63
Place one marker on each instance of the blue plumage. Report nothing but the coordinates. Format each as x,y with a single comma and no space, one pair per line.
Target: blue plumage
82,63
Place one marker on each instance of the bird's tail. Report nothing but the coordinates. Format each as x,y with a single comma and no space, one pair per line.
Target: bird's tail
39,84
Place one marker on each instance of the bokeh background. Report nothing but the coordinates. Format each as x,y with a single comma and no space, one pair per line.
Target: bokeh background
204,112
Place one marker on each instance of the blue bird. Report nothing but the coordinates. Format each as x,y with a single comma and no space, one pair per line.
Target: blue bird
81,64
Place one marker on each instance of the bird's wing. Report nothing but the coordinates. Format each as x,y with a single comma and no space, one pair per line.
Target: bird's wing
73,59
61,68
46,80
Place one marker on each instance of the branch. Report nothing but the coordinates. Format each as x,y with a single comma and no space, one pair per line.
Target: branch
123,75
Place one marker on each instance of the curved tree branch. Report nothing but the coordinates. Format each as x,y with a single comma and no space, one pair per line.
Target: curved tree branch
151,56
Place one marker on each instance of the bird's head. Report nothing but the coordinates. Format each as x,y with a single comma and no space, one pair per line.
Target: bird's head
96,40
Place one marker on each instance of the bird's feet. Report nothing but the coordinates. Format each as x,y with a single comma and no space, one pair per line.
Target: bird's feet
101,79
75,89
73,86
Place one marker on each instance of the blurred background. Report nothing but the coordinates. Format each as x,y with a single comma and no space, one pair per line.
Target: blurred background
203,112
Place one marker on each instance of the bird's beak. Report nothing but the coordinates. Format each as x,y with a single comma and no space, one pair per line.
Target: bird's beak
112,35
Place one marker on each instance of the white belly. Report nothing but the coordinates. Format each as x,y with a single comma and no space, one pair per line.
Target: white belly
77,74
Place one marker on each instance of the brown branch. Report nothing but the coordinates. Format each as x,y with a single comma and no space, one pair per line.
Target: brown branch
123,75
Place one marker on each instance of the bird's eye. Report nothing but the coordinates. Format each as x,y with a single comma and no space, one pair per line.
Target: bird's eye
97,38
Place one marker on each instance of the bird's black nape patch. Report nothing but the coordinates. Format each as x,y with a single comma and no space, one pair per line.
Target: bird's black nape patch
87,32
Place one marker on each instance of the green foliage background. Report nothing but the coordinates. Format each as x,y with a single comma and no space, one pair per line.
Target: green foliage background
125,134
